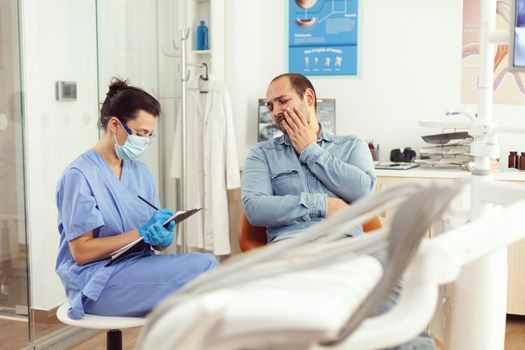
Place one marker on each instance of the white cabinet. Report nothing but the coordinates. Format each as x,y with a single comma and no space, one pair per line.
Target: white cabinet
440,325
516,284
516,252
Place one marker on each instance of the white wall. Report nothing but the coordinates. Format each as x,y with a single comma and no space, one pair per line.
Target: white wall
128,49
410,53
59,43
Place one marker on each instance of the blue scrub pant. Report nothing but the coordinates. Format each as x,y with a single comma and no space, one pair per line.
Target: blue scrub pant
138,285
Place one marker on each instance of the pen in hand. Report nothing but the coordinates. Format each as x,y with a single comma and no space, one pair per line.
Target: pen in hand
147,202
154,207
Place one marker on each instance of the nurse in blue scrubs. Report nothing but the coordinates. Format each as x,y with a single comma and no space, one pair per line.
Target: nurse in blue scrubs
99,212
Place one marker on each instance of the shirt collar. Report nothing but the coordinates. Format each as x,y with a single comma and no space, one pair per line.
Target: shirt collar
324,135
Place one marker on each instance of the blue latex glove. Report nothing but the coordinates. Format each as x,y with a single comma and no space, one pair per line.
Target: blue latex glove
160,216
158,235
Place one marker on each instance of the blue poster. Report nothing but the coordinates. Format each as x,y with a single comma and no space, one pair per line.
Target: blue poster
323,37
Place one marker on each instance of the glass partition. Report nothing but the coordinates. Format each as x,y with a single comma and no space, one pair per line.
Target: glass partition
106,38
14,293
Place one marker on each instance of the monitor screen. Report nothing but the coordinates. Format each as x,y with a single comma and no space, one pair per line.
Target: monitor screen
517,56
268,130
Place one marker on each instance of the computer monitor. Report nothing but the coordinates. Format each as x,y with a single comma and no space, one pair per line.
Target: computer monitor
267,130
517,42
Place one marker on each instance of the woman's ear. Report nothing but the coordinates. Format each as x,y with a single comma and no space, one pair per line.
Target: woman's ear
112,126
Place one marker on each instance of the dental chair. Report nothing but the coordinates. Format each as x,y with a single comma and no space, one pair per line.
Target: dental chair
251,237
318,291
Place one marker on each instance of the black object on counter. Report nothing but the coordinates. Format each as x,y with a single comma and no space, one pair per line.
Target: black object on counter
405,155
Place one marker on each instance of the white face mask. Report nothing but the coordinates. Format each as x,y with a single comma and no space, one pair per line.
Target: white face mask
133,148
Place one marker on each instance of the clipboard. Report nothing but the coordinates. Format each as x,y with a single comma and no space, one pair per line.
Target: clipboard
181,216
139,246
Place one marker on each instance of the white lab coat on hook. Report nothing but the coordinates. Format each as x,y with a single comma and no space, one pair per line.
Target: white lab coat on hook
213,166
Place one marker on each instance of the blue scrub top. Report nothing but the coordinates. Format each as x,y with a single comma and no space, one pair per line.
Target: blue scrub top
89,197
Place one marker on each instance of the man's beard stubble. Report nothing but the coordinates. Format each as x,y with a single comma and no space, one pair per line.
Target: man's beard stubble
280,117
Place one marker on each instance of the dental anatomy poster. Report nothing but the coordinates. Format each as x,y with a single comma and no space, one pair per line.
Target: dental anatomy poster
323,37
509,86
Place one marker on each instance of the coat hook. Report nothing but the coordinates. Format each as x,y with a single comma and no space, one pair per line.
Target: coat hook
187,77
184,34
205,77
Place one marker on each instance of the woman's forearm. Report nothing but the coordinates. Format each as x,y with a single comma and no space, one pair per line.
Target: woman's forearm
86,248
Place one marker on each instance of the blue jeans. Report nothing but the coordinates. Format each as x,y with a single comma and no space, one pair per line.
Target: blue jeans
424,340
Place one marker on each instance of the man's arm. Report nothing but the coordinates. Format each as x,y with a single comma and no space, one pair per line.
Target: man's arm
350,179
265,209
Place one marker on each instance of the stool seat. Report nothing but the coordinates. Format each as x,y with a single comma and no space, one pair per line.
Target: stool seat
99,322
113,324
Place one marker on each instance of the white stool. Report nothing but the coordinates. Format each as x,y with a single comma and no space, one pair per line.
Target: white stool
113,324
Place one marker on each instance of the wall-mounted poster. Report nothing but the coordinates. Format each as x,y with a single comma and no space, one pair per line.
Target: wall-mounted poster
267,130
509,86
322,37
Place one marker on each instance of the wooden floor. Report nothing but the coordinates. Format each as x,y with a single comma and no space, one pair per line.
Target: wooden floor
14,335
515,333
514,337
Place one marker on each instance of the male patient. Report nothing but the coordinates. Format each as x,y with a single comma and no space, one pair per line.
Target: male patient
306,175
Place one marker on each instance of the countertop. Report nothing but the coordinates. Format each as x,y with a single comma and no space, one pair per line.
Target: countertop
421,172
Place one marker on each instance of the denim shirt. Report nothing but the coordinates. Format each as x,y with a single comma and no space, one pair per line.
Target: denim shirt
287,193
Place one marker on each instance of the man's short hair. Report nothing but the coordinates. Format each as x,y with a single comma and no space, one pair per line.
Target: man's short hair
299,83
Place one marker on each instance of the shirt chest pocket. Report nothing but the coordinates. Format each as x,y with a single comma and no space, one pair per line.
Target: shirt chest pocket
286,182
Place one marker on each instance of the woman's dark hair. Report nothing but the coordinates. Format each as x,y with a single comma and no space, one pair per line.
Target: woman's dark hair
124,101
